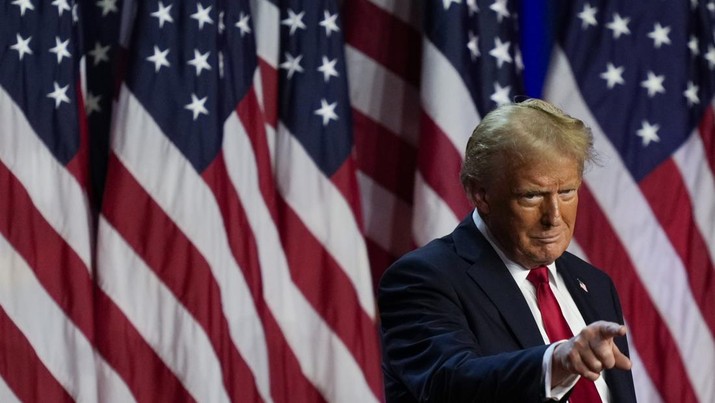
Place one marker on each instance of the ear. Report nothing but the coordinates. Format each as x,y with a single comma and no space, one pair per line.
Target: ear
480,199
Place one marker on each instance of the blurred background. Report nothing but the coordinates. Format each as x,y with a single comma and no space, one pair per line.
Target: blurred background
198,198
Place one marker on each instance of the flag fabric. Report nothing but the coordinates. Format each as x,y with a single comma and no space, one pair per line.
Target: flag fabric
643,78
46,287
229,245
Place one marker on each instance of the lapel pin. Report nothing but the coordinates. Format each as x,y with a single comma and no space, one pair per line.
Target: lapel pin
582,285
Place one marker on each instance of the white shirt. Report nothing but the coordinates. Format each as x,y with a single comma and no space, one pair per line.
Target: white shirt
568,308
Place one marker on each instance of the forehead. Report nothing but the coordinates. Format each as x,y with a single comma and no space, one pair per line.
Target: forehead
552,171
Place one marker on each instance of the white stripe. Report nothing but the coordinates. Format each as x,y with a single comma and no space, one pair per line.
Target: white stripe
432,216
322,356
162,321
645,390
63,348
326,214
266,22
383,96
405,11
56,194
662,273
575,248
445,97
187,199
700,182
386,216
6,394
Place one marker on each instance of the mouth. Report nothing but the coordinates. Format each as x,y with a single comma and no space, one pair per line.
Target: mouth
547,238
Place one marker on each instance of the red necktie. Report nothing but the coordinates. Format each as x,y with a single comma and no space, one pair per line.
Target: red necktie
558,329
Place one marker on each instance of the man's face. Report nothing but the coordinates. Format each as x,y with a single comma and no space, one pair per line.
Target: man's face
531,209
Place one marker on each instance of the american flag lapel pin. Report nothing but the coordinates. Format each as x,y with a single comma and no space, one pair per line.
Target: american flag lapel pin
582,285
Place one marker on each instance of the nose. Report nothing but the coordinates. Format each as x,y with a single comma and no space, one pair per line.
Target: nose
551,211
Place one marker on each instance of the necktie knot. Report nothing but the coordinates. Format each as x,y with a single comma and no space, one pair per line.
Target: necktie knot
538,275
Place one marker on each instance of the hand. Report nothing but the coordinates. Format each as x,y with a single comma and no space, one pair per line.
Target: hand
589,352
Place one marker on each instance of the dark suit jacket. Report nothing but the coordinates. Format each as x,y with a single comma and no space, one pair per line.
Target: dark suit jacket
456,327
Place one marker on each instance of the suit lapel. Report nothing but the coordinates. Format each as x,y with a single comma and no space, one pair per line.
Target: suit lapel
493,278
579,292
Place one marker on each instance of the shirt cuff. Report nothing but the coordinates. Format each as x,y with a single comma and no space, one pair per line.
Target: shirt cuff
560,390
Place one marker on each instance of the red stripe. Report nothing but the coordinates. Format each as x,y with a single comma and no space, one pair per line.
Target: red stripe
386,39
57,266
269,82
707,133
73,290
345,182
314,271
132,358
440,163
380,260
675,214
331,293
23,371
182,269
649,333
288,384
384,156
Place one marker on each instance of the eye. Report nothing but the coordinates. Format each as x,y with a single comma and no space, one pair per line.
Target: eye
567,194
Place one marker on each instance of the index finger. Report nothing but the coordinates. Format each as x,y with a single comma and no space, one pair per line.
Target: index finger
609,329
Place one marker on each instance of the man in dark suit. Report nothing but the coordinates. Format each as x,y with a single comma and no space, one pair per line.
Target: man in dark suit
488,312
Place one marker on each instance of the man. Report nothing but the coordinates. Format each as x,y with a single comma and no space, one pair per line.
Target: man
488,313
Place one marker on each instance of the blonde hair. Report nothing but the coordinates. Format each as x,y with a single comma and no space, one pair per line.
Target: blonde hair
519,133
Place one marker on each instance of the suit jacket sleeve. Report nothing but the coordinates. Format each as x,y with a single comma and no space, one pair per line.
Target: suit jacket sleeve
430,352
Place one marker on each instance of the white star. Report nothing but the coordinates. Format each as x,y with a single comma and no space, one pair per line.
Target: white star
473,8
693,4
473,46
292,64
60,49
22,46
294,21
710,57
61,5
329,22
59,94
91,104
501,94
159,58
613,75
221,25
163,14
75,16
693,45
501,9
654,84
327,111
711,7
588,16
242,24
200,62
99,53
648,133
659,35
220,64
518,61
328,68
692,94
197,106
447,3
24,6
202,15
501,52
107,6
619,26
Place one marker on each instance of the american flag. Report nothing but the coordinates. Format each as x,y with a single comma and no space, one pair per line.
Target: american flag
242,227
642,75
